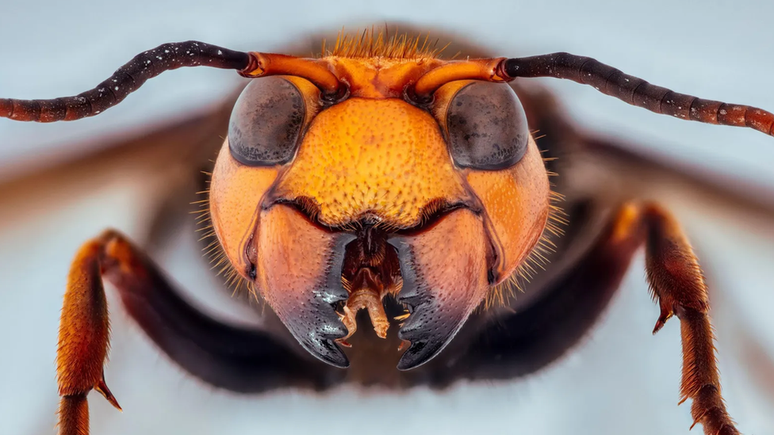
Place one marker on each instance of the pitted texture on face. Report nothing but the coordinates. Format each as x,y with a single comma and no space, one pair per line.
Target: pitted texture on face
386,157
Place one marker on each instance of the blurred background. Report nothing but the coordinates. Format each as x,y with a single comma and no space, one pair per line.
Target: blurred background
619,380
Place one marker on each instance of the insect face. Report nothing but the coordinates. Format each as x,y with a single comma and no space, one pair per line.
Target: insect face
330,205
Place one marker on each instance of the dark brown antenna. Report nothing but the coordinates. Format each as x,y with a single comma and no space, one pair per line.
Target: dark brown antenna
636,91
124,81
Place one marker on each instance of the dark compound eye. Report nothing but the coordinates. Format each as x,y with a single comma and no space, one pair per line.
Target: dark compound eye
487,127
266,122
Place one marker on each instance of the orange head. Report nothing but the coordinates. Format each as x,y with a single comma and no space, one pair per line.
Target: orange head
377,170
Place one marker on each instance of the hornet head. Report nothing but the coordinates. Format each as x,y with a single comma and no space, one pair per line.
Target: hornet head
377,170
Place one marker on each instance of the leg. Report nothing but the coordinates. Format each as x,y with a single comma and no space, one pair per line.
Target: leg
236,359
678,285
83,340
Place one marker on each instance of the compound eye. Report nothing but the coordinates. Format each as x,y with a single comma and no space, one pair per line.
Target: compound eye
487,127
266,122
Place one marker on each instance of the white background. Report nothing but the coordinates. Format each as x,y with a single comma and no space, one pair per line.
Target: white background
621,380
